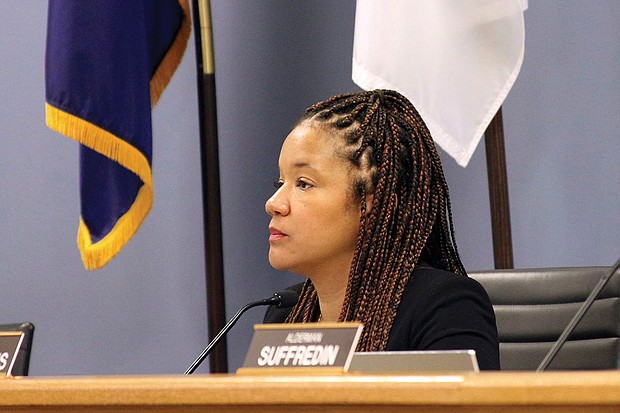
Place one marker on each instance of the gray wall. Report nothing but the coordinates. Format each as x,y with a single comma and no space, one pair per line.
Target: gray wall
145,312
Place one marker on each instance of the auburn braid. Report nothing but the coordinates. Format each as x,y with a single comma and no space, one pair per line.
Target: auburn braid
395,160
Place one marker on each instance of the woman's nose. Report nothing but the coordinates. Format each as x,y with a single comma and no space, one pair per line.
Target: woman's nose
277,204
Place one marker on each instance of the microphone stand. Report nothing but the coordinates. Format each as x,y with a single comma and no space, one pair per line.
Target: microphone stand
275,300
577,318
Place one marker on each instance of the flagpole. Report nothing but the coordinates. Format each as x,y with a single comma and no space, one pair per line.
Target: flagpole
212,215
498,193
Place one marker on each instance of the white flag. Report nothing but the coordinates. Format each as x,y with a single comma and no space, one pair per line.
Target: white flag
456,60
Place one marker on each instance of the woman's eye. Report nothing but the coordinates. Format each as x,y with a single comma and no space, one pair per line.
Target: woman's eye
277,184
303,185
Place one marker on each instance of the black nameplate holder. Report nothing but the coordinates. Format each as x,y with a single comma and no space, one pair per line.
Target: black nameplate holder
10,343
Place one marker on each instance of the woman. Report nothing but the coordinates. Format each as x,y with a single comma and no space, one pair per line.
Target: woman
362,210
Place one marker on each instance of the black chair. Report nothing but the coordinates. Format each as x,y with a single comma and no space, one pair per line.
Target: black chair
22,361
533,307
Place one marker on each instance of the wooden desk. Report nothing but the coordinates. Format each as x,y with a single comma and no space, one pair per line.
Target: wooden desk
484,392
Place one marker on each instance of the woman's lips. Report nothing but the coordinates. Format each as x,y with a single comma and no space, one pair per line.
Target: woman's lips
275,234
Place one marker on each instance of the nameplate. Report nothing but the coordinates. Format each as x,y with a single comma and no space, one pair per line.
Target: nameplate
10,343
318,347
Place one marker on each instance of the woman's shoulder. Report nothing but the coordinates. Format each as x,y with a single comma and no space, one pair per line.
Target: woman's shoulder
440,310
433,293
426,279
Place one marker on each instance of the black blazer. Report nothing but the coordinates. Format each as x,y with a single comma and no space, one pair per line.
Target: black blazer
439,310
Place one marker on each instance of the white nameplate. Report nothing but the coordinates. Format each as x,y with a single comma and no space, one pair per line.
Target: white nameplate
299,347
10,343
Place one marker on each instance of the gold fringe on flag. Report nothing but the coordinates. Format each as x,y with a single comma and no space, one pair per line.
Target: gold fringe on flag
173,57
97,255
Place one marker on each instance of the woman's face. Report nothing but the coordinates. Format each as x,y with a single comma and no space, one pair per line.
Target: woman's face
314,218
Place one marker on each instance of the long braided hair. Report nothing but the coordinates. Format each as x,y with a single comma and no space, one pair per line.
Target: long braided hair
394,159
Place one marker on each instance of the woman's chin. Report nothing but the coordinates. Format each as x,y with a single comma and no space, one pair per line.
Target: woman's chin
279,263
282,264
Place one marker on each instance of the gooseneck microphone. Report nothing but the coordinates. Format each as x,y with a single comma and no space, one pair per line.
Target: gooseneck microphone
286,298
577,318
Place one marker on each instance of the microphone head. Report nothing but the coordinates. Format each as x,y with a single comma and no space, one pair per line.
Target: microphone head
286,298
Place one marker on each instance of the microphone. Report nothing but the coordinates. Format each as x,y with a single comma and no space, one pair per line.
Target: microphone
286,298
577,318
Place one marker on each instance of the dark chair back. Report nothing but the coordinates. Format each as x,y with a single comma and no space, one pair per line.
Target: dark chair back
533,306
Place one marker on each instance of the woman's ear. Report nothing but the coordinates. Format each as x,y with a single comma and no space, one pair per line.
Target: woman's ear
361,194
368,198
